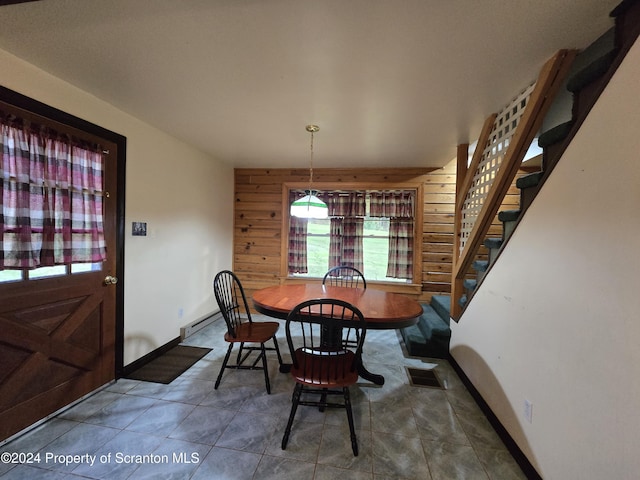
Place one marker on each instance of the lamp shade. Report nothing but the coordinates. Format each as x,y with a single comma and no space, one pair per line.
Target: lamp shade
309,206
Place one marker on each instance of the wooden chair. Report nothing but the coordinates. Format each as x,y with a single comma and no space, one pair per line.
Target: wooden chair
344,276
241,328
324,364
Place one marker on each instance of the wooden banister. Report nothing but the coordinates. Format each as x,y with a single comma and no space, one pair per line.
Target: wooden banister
475,161
549,81
462,173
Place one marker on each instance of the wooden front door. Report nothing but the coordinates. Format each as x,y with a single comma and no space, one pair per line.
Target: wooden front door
58,329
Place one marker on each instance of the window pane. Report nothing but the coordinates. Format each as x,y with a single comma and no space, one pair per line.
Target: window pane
317,256
375,253
375,246
317,247
376,226
85,267
43,272
10,276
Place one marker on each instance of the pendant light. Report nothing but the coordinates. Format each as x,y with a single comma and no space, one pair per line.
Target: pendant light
310,206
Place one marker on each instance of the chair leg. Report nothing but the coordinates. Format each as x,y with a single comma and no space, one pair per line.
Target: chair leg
323,400
264,366
352,430
295,399
275,343
239,361
224,365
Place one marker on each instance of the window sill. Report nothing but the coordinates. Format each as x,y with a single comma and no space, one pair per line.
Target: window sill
395,287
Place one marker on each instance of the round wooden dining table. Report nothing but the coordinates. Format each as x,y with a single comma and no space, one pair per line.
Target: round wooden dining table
381,309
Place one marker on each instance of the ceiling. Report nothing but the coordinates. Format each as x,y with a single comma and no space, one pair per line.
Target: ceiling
390,83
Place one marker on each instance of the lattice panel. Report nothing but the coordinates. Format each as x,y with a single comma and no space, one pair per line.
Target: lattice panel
503,129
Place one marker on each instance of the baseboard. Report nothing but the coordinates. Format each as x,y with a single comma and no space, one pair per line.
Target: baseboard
502,432
133,366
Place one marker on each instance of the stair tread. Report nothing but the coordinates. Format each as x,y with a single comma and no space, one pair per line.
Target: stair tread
442,305
415,331
470,283
508,215
463,301
418,346
414,340
429,337
493,243
431,323
530,180
480,265
591,72
555,134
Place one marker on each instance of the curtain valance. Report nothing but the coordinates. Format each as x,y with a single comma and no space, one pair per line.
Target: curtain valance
392,204
353,203
345,204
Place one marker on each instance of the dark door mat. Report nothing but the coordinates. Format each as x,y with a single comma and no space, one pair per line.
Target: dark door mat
169,366
419,377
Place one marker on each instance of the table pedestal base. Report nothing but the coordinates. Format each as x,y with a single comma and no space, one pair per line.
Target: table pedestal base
362,372
372,377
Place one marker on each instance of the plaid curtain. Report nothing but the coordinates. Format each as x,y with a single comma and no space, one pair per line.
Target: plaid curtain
352,232
345,204
335,242
398,207
297,241
345,242
51,193
346,211
392,204
400,262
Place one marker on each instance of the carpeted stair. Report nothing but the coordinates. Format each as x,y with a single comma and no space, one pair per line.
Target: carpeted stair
430,337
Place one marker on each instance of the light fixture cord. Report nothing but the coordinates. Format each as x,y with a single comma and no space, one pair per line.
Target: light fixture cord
311,167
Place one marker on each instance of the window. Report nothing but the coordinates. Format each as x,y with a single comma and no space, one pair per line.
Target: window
7,276
375,247
371,230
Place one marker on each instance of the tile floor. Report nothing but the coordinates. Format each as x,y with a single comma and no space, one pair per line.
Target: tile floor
188,430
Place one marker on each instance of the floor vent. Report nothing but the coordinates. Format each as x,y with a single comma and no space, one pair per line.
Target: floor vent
419,377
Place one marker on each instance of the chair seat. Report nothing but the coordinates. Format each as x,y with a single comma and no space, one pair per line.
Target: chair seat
326,371
258,332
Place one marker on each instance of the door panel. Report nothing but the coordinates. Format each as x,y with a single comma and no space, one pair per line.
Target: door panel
58,334
49,348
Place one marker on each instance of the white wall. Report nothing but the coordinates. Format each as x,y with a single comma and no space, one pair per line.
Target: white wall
557,320
184,195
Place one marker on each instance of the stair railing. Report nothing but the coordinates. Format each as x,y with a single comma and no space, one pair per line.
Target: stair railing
492,170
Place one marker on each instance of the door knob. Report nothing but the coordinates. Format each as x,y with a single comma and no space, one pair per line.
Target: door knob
109,280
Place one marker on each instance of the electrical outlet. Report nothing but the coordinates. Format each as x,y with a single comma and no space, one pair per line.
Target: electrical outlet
528,411
180,313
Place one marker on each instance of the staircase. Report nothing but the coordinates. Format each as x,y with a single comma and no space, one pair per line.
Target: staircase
590,73
430,336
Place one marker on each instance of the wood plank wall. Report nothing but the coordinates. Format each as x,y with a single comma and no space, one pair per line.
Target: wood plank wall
258,216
